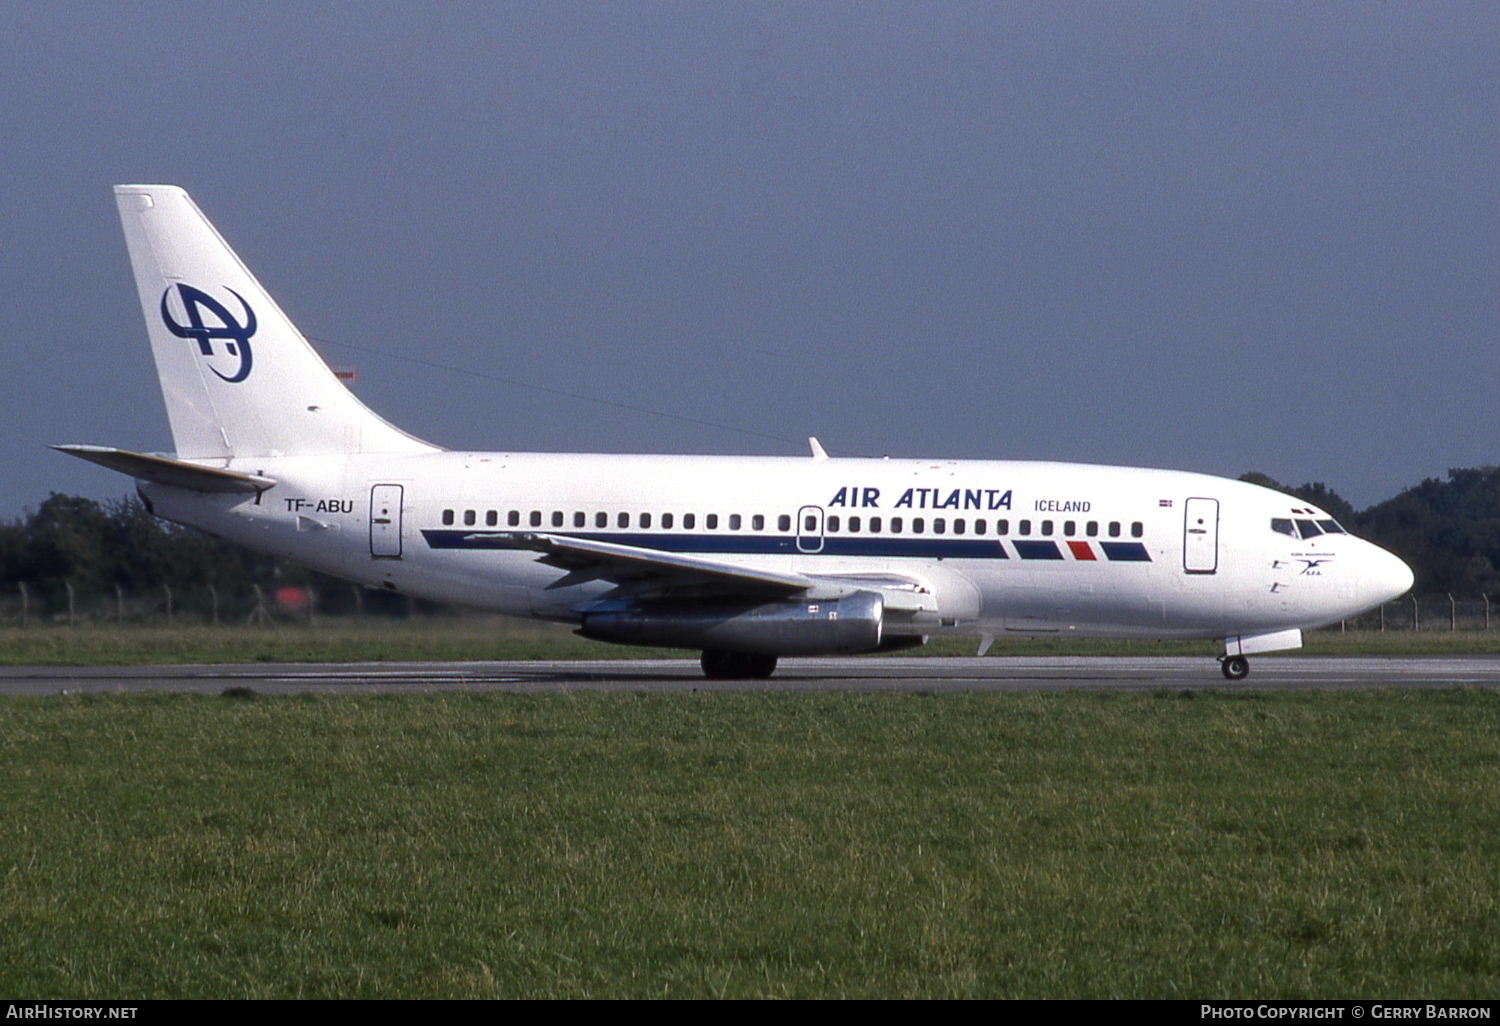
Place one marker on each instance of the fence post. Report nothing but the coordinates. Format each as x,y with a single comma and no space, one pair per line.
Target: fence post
71,609
213,599
1382,618
119,604
25,604
259,614
1452,614
1486,610
168,589
1416,614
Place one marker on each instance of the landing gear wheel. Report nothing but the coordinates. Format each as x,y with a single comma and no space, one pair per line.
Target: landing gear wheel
720,665
1235,667
717,665
759,666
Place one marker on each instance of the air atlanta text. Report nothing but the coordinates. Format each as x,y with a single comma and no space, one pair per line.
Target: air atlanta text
925,498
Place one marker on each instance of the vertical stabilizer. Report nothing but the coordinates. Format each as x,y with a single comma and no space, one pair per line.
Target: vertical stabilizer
238,377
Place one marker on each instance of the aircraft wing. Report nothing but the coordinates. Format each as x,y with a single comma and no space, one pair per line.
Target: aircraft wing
640,571
629,564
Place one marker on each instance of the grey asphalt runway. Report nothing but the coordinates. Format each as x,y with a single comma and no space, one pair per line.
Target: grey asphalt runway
1002,673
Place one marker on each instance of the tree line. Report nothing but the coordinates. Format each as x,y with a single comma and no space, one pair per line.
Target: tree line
1447,531
72,549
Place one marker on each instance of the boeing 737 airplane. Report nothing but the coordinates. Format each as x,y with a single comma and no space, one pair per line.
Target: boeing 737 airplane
745,558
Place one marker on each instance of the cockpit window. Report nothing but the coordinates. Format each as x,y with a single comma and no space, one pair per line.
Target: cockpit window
1332,527
1308,529
1283,525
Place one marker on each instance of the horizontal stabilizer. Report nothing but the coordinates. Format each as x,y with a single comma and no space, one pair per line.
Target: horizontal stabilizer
168,471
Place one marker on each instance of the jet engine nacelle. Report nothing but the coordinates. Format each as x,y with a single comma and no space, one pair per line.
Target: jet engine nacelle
805,627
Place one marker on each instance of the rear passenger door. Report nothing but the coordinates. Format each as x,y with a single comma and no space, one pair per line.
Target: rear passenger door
385,521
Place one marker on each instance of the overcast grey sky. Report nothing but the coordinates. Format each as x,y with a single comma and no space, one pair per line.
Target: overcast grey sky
1217,236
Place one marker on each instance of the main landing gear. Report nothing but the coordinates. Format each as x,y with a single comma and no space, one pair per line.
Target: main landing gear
1234,667
721,665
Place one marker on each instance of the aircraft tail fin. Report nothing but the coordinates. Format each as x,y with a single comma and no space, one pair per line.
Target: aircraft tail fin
239,379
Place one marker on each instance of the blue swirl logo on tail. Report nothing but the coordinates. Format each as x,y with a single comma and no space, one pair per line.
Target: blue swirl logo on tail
236,335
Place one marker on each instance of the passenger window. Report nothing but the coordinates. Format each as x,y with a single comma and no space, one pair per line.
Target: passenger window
833,524
513,518
854,524
1070,528
1002,527
1025,528
979,527
535,518
1137,529
874,525
447,518
758,522
580,519
622,520
557,518
734,521
958,526
939,525
1046,527
895,525
1114,529
491,518
711,522
601,519
1092,529
468,518
666,521
689,521
810,524
784,522
645,519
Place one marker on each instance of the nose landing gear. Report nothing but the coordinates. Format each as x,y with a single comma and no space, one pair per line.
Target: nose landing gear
1234,667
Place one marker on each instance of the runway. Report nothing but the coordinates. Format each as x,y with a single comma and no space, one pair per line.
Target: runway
935,674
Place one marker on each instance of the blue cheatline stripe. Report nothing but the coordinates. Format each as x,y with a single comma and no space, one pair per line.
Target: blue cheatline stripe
771,544
1126,552
737,545
1037,549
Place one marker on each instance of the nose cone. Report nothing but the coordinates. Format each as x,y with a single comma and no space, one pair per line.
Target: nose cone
1384,578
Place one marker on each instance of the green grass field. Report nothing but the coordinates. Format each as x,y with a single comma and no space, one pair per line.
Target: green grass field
1223,843
485,638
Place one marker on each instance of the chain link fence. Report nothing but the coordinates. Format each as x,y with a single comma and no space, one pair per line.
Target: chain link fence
25,604
1431,612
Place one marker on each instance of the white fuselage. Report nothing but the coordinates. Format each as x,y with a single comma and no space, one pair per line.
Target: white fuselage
997,546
